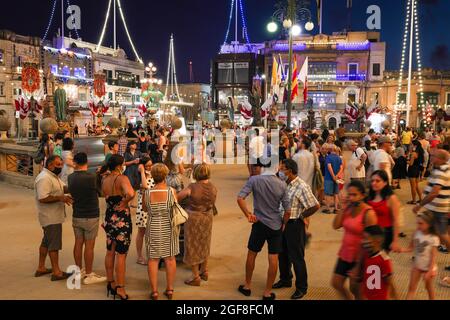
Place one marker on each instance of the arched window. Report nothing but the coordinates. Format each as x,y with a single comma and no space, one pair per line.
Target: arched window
332,123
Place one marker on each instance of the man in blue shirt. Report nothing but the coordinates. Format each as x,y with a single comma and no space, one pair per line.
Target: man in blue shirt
269,196
333,168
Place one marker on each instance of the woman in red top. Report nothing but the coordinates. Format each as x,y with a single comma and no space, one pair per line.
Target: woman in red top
354,218
387,208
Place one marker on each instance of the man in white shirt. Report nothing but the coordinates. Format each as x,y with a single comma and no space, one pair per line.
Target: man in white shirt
256,147
356,168
305,161
382,158
50,201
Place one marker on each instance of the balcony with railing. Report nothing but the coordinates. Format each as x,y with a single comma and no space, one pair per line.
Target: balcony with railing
337,77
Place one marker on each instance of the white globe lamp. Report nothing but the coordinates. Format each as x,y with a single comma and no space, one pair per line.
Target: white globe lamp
296,30
272,27
309,26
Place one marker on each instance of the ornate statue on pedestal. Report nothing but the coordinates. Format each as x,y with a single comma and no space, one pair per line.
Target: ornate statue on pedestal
60,102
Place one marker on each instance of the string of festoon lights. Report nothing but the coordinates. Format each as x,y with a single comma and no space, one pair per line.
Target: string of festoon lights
402,67
119,5
50,20
411,5
229,23
419,67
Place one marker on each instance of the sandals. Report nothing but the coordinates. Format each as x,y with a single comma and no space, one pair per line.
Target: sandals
411,202
244,291
169,294
193,282
126,297
141,261
154,295
204,276
445,282
38,273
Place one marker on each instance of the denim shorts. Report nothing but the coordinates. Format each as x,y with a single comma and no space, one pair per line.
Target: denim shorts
331,187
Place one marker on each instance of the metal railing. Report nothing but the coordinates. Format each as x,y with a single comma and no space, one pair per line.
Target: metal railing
17,164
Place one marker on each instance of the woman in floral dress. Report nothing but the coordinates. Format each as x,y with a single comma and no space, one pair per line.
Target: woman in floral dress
118,193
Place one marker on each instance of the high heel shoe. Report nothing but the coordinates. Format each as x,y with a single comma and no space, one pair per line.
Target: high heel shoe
169,294
154,295
193,282
110,289
126,297
204,276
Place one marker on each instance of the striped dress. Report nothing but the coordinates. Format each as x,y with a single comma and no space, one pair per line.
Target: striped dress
161,240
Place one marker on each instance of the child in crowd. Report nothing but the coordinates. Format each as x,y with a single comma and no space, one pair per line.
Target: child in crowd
58,144
424,243
374,270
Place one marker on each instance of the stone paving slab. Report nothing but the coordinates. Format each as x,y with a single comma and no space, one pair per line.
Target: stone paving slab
21,235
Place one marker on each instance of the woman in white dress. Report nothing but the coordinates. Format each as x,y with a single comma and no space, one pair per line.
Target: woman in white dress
147,183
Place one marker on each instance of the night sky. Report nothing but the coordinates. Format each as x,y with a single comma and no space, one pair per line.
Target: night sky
199,27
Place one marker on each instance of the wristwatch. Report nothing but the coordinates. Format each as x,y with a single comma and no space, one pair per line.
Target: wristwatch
300,216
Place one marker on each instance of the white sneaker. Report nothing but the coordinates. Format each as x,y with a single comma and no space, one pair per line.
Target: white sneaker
93,278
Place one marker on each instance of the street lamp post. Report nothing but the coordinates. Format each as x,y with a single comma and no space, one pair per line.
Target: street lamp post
288,25
289,18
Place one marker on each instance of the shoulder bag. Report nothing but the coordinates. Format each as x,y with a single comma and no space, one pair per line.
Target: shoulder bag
179,215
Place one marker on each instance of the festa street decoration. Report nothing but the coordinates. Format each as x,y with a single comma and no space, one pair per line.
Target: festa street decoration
100,85
31,79
25,107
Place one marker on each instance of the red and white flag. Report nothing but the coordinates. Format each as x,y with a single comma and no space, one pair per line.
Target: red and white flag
351,111
303,77
246,110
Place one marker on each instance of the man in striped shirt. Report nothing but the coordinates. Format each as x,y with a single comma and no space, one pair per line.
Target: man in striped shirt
303,205
437,194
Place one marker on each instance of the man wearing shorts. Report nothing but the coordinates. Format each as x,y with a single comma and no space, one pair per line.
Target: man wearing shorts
437,195
269,195
50,202
333,166
83,188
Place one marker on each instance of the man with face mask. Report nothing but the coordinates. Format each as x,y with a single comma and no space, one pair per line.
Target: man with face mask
303,205
50,202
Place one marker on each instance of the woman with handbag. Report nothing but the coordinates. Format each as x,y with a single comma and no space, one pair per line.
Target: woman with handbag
201,197
161,237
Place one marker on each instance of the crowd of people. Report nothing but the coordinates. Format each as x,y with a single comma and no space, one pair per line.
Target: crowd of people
142,174
142,171
359,190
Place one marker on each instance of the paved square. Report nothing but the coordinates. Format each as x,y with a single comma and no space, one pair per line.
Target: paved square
21,235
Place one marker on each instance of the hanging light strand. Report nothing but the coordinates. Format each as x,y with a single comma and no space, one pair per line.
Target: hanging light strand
396,116
244,24
229,22
405,40
418,53
128,33
50,21
104,27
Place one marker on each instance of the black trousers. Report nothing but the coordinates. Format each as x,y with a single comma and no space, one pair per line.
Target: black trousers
293,255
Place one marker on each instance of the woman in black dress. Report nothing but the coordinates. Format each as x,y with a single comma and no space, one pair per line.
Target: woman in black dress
117,225
399,171
415,166
132,158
